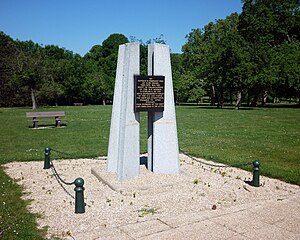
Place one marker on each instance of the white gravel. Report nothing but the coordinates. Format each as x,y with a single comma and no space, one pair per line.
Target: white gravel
198,187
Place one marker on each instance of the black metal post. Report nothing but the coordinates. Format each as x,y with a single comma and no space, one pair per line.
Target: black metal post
47,163
255,180
79,196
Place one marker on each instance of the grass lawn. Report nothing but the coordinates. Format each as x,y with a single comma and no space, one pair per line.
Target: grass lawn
271,135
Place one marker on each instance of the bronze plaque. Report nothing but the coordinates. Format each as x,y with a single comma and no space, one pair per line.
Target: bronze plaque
149,93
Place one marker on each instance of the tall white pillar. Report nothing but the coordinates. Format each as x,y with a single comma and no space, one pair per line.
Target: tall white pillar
124,142
113,145
163,152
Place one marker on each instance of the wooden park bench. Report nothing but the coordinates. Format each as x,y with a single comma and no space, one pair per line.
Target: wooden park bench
78,104
36,115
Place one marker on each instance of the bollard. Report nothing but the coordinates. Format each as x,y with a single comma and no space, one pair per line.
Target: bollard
79,196
255,180
47,164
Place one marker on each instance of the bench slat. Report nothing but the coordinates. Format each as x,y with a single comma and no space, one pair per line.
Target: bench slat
45,114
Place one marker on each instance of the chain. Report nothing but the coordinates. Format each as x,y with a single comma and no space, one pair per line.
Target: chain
216,165
55,172
63,153
61,181
74,156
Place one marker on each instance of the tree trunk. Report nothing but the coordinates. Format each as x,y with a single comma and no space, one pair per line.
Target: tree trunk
213,96
264,100
221,100
33,99
248,100
238,100
103,102
230,97
220,103
254,101
276,100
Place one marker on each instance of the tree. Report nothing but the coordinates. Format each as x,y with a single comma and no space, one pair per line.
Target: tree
177,74
110,47
95,54
108,61
254,54
216,56
8,56
74,79
56,61
30,67
96,89
265,24
285,59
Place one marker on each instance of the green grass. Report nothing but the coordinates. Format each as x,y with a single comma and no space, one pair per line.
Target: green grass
15,221
85,135
271,135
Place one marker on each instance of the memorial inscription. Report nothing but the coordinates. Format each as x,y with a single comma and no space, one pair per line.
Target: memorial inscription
149,93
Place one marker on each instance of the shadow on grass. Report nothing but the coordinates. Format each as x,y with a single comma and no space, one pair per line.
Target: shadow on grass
280,106
242,108
219,109
47,126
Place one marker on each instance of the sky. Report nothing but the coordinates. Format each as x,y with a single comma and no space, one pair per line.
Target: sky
78,25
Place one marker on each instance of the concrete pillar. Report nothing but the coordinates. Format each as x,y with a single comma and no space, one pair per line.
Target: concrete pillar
113,145
124,142
163,151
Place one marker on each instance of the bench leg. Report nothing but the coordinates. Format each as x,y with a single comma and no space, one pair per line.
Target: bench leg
35,123
57,120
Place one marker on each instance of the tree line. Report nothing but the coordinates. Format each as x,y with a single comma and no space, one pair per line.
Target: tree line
32,74
250,57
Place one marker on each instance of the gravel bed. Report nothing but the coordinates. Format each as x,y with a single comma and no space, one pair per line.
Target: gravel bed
199,187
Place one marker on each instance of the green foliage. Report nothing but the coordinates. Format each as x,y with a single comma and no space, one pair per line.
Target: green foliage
217,57
267,25
110,46
100,69
251,56
285,62
189,88
50,75
144,51
8,53
244,55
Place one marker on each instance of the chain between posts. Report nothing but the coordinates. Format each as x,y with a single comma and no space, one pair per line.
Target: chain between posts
59,178
63,153
216,165
79,182
60,181
256,168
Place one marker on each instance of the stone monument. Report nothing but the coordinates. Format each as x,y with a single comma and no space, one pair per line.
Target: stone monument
134,93
124,138
163,152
